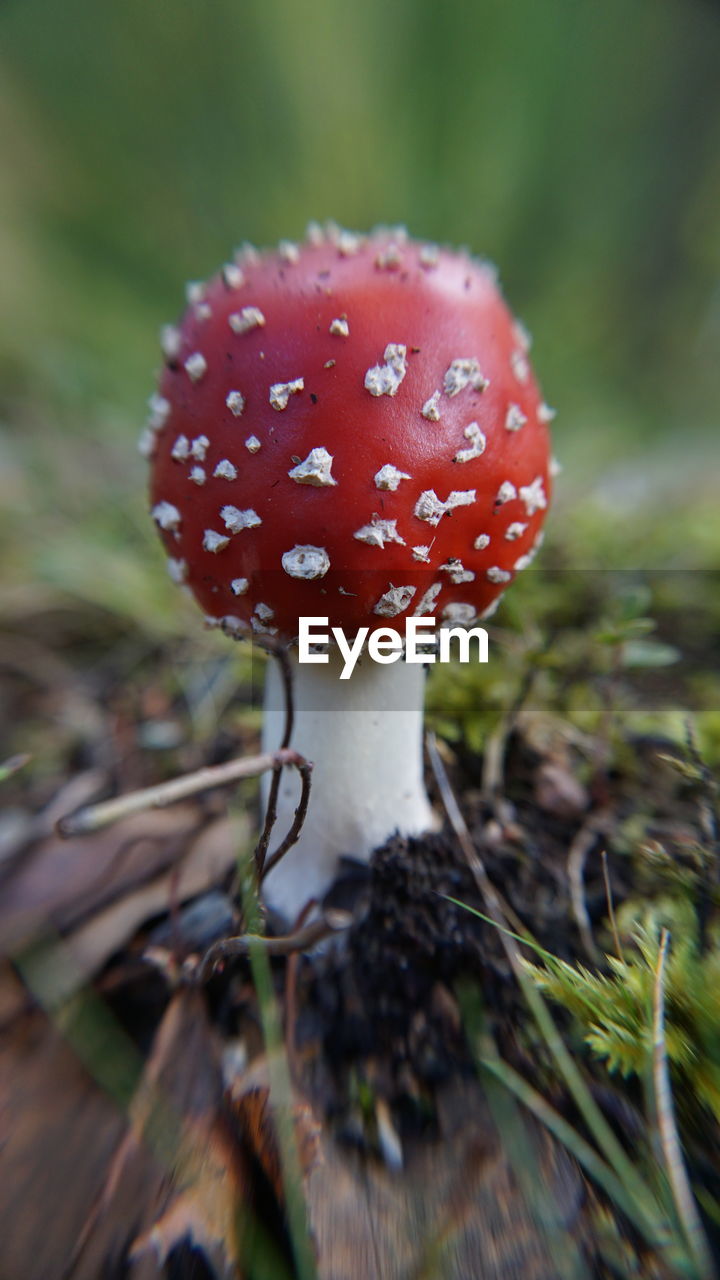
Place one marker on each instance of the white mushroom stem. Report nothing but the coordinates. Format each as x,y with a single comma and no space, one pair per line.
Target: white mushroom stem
365,739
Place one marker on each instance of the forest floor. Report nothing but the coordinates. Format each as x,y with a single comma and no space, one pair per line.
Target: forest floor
430,1090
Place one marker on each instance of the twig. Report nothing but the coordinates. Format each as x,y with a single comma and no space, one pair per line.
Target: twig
279,650
95,817
611,905
498,908
308,935
280,654
669,1137
305,771
580,847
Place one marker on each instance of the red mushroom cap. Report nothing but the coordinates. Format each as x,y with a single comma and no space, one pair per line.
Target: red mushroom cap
348,428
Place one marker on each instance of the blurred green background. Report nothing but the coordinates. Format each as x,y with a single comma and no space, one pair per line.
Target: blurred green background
576,144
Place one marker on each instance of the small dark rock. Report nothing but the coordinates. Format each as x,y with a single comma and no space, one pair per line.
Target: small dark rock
198,924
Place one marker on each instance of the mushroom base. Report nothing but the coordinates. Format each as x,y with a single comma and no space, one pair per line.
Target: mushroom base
364,737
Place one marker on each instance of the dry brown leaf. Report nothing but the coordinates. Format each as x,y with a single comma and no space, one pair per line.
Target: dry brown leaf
207,1211
178,1174
38,902
79,790
205,863
61,882
249,1098
58,1131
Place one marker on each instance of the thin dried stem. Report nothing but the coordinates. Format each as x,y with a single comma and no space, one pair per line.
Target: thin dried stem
94,817
579,849
308,935
611,905
498,908
261,847
669,1137
281,655
305,771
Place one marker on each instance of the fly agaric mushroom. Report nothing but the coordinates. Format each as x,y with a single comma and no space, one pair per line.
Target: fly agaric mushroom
348,429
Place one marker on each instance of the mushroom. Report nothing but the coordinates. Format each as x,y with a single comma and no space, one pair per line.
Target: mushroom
351,431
